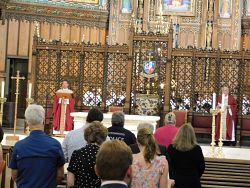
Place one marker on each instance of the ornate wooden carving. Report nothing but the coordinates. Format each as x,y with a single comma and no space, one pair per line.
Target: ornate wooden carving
54,14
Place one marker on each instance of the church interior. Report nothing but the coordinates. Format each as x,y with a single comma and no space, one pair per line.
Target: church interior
143,57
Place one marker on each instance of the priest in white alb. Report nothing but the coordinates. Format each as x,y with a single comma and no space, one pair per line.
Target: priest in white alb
228,118
57,108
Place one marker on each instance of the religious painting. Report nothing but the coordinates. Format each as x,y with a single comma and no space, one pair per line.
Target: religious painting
126,6
178,7
225,8
84,1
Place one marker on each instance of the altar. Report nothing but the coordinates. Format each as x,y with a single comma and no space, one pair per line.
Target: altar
131,121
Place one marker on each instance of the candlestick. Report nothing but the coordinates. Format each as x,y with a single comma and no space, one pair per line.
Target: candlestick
26,127
2,91
214,100
220,151
214,113
30,89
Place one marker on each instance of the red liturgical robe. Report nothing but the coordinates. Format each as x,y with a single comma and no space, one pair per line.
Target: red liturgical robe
57,114
230,119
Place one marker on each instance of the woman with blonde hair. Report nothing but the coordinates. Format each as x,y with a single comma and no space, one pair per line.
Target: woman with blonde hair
81,172
149,170
186,158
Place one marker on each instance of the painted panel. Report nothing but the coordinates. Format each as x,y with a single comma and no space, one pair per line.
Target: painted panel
55,32
65,32
12,38
75,34
3,37
45,30
23,47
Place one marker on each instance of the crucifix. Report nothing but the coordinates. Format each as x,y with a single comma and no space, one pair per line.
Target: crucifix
17,78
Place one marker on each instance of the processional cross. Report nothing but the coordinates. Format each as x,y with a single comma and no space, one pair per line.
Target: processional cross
17,78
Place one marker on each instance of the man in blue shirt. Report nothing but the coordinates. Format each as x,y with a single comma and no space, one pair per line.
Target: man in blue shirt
37,161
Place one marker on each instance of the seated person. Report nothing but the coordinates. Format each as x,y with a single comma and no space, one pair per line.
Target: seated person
164,135
117,131
113,164
37,160
149,169
187,159
81,172
74,140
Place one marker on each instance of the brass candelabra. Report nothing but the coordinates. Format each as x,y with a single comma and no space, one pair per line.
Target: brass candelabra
220,153
214,113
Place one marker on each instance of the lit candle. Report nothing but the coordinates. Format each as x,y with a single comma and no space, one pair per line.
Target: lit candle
2,91
223,101
214,100
83,38
30,88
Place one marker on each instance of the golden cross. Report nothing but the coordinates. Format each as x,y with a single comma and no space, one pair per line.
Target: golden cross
17,78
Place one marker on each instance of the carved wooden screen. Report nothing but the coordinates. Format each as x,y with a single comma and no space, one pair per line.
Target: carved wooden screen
142,86
197,76
93,77
229,74
181,82
245,94
97,74
46,76
116,79
205,83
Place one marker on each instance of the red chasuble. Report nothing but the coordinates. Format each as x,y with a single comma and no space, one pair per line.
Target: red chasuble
57,114
230,119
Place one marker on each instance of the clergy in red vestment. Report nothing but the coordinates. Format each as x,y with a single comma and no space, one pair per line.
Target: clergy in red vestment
229,116
69,108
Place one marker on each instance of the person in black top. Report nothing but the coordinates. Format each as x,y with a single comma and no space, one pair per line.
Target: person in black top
187,159
81,171
117,131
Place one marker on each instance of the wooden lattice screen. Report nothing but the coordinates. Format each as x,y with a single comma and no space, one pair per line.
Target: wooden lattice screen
154,48
196,75
97,74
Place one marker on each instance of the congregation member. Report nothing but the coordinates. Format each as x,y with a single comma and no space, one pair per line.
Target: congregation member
163,150
74,140
164,135
81,172
117,130
187,159
114,164
37,160
149,169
